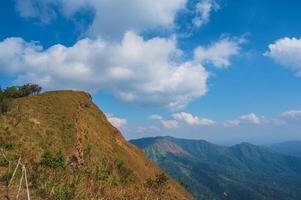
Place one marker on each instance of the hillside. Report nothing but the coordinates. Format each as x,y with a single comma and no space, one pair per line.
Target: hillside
291,148
71,151
242,171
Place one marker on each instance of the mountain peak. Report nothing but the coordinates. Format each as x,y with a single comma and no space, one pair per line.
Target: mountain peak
67,143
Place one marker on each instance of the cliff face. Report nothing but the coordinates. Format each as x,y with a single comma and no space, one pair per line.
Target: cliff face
71,151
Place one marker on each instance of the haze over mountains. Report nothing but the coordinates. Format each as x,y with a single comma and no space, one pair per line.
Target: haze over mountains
292,148
242,171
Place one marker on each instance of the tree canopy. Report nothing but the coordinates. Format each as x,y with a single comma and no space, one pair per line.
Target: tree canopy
13,92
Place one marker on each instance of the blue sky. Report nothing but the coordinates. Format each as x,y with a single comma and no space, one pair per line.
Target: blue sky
226,71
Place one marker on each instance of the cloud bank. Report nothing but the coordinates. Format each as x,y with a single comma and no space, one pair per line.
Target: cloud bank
136,70
292,113
112,19
114,57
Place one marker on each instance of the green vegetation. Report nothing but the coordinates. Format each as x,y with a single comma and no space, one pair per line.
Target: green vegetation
103,175
126,175
13,92
158,184
56,160
243,171
64,192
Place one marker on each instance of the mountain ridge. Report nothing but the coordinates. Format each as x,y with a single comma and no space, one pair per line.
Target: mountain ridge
243,171
71,151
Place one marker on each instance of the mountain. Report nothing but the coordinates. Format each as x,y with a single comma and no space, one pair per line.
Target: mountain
243,171
291,148
71,151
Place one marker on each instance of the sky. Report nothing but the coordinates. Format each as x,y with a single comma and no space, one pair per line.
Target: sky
226,71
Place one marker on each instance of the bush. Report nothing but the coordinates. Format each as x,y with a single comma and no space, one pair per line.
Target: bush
158,185
126,175
53,161
5,144
64,192
102,175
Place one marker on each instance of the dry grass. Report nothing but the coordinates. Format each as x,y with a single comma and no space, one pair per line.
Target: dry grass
68,122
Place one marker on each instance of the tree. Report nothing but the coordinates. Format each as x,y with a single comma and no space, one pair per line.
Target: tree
24,90
6,95
35,89
11,92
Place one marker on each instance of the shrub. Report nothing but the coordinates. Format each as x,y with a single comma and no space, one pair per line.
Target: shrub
126,175
5,144
102,175
64,192
53,161
158,185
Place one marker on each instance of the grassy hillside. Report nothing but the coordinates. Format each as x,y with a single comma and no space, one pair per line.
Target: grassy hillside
71,151
242,171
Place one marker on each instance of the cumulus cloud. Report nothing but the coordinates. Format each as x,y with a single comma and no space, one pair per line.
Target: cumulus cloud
116,121
286,52
203,10
292,113
112,19
192,120
169,123
135,70
251,118
118,60
155,117
219,53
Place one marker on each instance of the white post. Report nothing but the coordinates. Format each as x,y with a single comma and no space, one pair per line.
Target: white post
28,196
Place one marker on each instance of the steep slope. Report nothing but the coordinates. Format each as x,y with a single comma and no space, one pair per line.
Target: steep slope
71,151
242,171
291,148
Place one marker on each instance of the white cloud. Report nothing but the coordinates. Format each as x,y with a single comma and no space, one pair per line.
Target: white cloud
286,52
251,118
232,123
136,70
116,121
192,120
203,10
169,123
44,9
292,114
220,52
155,117
112,19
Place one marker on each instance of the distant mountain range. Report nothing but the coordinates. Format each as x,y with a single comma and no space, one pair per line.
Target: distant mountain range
291,148
239,172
